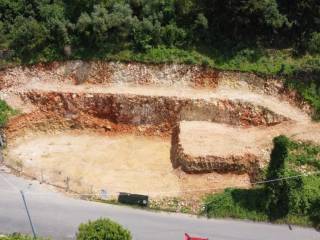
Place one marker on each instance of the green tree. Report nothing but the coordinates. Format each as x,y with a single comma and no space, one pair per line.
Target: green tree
104,24
53,17
3,39
303,16
142,34
314,43
28,37
277,203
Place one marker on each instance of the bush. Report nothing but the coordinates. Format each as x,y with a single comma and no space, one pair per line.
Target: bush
315,215
102,229
5,112
18,236
237,203
314,43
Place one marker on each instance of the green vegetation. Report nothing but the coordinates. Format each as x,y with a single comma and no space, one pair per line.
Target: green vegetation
293,200
5,112
102,229
262,36
164,30
18,236
309,90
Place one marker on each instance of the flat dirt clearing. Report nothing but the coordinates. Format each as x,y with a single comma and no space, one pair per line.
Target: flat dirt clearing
95,161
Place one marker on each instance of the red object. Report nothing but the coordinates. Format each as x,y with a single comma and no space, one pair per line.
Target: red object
187,237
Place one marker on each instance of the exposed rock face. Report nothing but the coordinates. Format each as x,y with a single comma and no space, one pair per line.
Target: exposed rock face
110,73
155,110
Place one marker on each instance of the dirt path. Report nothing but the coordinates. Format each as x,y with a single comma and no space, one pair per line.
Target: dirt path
272,103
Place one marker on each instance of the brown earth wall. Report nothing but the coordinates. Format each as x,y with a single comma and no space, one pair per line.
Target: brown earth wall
143,110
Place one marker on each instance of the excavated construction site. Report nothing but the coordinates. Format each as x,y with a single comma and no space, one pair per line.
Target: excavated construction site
162,130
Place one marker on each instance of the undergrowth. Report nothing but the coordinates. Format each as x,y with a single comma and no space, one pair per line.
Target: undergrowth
247,59
19,236
292,200
5,112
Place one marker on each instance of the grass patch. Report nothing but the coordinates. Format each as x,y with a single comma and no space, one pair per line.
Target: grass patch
301,195
5,112
303,157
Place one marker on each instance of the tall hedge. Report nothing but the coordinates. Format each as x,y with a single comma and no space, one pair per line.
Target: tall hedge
277,203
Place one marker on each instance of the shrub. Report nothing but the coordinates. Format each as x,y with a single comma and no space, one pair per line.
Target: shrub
311,94
18,236
315,215
102,229
238,203
5,112
314,43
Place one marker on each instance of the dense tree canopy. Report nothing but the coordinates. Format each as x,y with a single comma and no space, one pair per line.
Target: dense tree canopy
45,27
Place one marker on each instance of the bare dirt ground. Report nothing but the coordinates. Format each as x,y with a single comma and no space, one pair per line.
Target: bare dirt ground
126,162
93,161
200,138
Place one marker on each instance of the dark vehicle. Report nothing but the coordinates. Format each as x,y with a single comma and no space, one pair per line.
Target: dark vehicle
133,199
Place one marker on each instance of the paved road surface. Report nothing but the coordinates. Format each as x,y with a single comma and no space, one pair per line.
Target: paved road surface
58,216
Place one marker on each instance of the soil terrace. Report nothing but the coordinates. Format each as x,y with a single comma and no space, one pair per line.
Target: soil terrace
282,108
205,146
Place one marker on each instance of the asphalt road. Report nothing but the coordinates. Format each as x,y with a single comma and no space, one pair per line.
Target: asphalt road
58,216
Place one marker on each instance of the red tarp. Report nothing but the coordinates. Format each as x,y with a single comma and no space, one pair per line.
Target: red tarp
187,237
